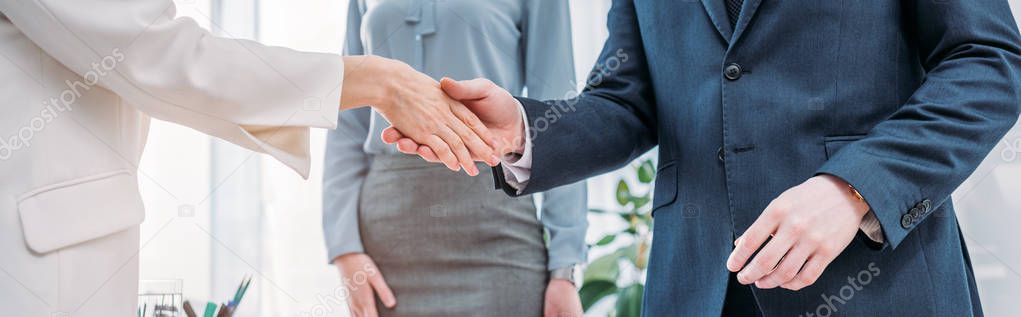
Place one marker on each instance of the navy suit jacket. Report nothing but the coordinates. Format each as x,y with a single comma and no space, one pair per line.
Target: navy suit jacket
901,99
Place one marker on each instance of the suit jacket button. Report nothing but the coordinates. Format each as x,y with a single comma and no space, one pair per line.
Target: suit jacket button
906,221
927,205
719,154
916,212
732,71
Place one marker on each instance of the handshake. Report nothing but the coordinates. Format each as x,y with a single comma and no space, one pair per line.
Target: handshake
451,122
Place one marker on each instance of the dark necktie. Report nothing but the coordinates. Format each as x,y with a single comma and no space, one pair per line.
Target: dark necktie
734,10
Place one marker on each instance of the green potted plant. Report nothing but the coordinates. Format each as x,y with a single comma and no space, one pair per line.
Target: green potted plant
620,274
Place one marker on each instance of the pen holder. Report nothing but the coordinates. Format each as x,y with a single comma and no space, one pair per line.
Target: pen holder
160,298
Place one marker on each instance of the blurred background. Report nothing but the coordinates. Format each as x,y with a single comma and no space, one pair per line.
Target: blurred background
217,213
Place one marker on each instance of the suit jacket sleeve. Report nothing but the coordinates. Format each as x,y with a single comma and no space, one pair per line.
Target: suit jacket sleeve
971,53
263,98
609,124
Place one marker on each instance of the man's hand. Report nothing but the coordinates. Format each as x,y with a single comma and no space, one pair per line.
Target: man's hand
810,224
415,103
363,281
494,106
562,300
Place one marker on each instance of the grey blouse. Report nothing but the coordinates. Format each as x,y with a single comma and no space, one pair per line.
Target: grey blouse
521,45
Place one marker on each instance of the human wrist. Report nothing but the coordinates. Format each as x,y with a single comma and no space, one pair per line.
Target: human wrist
362,84
338,260
858,203
519,133
555,282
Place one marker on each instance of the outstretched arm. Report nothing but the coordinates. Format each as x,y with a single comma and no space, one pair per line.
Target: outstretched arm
260,97
610,124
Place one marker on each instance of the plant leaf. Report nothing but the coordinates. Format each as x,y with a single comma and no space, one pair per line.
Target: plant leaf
604,268
646,172
623,193
629,252
606,240
640,201
594,291
629,301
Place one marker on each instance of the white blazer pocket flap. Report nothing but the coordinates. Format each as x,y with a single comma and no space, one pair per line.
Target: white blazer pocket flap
69,213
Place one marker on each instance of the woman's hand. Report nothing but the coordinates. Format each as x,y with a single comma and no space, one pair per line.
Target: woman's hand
363,281
497,109
414,103
562,300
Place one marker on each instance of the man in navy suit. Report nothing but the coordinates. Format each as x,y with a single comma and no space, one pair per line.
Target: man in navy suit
808,149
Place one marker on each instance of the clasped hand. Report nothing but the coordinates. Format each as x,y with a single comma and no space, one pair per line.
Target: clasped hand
414,103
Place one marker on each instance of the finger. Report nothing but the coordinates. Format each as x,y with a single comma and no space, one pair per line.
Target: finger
427,153
809,273
467,89
407,146
765,261
481,142
383,290
751,240
788,267
391,135
460,150
443,152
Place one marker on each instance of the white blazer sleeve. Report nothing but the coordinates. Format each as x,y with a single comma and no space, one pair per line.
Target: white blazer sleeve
259,97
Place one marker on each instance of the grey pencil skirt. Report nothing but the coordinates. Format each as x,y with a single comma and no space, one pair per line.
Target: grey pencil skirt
449,244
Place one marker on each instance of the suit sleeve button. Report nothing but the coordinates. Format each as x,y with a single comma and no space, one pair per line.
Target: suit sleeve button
906,221
916,212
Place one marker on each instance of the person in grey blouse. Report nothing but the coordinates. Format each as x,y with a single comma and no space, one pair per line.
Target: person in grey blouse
440,243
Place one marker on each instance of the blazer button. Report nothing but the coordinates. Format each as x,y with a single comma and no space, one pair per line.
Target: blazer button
916,212
732,72
906,221
927,205
719,154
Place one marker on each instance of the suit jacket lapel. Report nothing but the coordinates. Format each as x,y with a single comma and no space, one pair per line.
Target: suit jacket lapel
748,11
717,10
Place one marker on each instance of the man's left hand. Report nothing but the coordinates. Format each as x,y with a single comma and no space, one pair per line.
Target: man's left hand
562,300
810,224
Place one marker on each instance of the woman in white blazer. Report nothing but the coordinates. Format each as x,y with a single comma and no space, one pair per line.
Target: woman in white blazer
81,80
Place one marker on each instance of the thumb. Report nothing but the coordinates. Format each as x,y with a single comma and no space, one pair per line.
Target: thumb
466,89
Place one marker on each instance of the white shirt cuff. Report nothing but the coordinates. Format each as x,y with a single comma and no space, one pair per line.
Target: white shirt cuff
518,169
870,226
